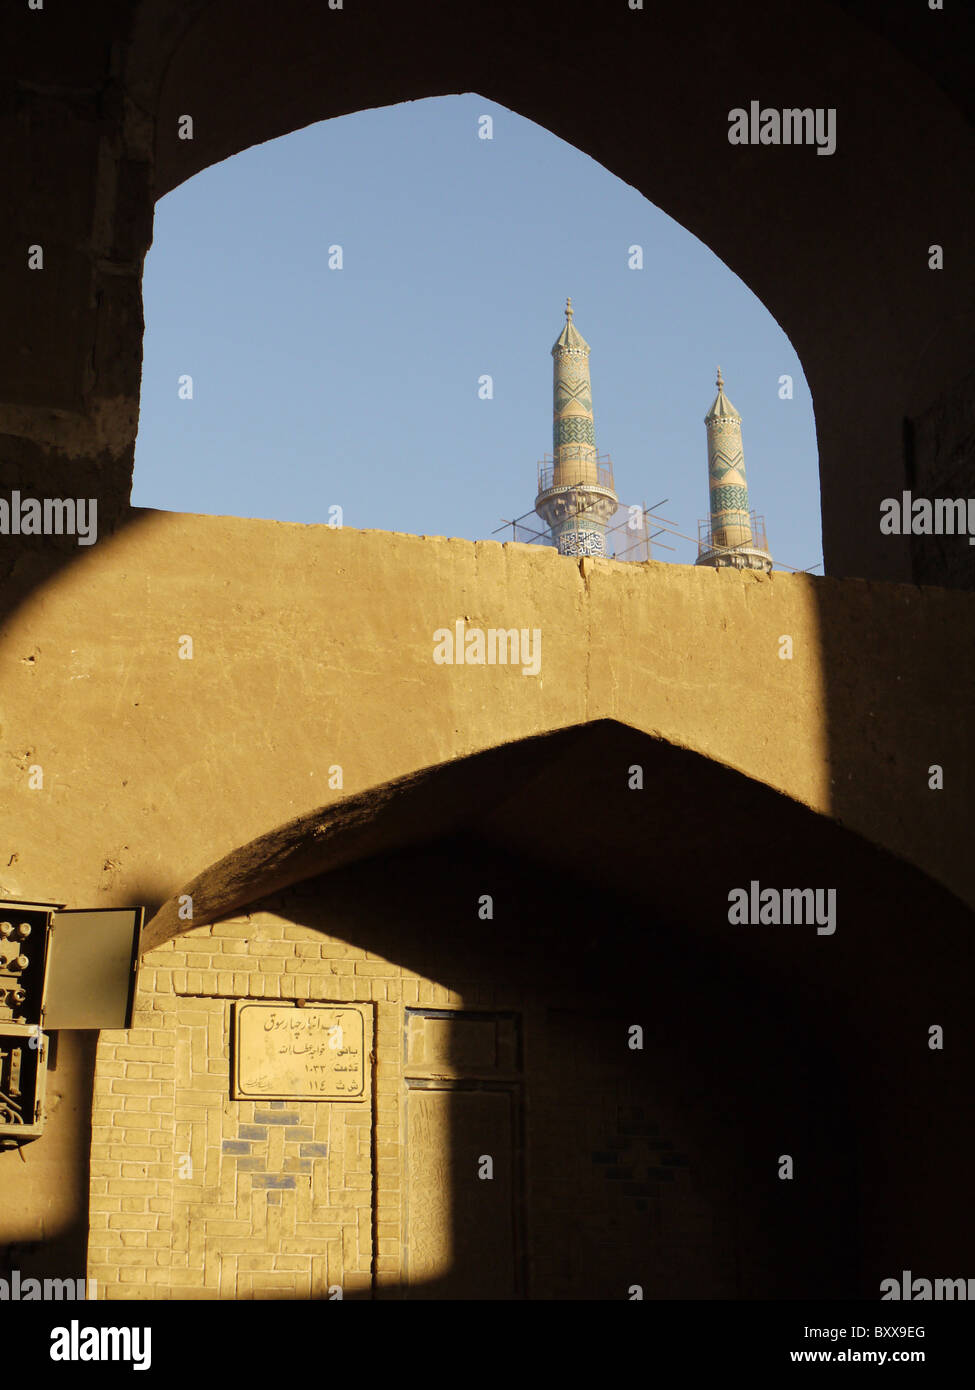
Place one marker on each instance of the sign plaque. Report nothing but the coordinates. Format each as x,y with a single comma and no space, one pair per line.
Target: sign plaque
282,1052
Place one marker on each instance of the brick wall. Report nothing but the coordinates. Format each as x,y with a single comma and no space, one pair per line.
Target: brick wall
612,1167
195,1194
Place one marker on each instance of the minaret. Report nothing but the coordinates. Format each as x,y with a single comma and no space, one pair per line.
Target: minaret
575,490
731,538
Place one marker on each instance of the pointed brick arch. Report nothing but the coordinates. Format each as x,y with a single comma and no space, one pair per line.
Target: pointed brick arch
618,895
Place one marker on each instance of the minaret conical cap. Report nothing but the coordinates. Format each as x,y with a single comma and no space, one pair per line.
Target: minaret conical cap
722,409
570,337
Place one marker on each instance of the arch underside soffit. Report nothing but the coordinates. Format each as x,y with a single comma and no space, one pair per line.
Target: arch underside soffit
658,836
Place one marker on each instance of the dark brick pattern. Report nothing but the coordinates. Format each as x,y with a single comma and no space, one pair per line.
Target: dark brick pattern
249,1149
637,1156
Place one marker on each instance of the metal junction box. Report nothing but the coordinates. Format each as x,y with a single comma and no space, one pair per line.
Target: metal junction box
58,969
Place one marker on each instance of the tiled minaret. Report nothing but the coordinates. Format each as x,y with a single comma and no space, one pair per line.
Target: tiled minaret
731,538
576,497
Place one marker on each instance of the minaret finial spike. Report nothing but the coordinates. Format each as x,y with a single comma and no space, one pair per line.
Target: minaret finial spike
568,307
720,381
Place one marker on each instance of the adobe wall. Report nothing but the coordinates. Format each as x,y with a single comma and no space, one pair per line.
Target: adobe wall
313,650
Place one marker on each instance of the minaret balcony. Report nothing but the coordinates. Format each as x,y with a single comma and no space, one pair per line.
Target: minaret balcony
748,553
576,464
582,501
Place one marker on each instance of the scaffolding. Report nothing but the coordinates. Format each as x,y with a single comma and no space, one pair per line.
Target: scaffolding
628,535
750,554
706,535
598,466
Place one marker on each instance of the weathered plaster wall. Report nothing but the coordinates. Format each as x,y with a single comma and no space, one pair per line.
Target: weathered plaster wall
313,648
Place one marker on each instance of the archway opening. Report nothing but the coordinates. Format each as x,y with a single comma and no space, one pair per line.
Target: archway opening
352,324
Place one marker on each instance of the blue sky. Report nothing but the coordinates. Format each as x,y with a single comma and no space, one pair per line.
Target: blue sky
359,386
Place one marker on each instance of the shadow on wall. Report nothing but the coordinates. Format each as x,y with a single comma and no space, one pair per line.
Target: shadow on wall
888,654
50,1176
894,964
660,1166
46,1182
31,566
612,1166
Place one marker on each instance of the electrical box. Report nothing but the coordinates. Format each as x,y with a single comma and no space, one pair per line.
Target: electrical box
58,969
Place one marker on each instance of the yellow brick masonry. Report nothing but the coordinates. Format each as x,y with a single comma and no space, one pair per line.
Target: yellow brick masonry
293,1208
